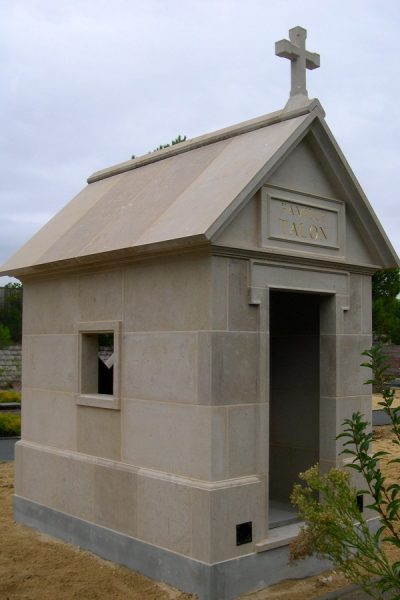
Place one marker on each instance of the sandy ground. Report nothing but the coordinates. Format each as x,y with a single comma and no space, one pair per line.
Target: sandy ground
376,398
36,567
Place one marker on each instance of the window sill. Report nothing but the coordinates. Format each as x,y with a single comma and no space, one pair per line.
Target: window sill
98,401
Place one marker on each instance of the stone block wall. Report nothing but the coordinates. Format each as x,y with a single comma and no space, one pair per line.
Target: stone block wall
393,354
10,364
189,413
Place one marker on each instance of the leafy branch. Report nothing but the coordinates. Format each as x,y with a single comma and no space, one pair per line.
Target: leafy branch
335,527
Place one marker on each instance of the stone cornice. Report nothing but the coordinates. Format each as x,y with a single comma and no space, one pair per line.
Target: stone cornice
302,259
119,259
112,260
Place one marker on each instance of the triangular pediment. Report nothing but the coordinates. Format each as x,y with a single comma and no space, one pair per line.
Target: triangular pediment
311,204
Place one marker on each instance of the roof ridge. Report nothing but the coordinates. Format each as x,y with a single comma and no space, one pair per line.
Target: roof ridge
208,138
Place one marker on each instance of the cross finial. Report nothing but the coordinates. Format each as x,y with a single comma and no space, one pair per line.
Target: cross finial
301,59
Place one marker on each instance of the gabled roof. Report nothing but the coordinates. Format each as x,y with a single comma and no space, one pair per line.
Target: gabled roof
176,197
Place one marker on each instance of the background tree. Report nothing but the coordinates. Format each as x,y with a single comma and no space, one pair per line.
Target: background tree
177,140
386,305
11,311
5,336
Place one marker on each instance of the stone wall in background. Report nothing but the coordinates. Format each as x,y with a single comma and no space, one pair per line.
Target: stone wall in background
393,353
10,364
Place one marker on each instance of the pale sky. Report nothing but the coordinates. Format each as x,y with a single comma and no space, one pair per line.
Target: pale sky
85,84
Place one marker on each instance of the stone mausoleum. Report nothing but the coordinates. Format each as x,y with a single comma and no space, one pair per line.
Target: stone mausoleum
225,283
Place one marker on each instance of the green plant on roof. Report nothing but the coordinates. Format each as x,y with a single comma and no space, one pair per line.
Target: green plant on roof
177,140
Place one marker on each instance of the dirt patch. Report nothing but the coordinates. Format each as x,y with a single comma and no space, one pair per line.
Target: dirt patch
376,398
34,566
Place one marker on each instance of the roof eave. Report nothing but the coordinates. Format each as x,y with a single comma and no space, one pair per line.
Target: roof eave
112,257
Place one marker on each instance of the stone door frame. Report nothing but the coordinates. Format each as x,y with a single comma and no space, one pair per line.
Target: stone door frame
334,286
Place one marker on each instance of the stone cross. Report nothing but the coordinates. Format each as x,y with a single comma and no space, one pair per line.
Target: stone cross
301,59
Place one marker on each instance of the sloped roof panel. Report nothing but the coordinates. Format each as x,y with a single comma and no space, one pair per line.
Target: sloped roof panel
181,196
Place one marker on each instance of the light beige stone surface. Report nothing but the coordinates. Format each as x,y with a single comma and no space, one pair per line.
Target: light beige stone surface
49,362
304,171
201,524
326,465
298,278
160,366
38,474
366,305
75,491
98,432
164,514
357,247
301,59
55,229
219,293
115,499
235,358
203,442
350,376
242,436
174,438
353,318
242,316
49,418
50,305
57,480
100,296
229,507
242,230
98,491
330,313
328,358
170,294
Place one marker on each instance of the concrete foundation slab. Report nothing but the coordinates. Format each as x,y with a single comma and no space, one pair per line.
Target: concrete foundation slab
221,581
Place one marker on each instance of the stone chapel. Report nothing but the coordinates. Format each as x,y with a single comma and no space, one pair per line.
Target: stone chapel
231,277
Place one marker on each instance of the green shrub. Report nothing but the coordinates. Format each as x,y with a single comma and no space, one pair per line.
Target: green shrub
5,336
334,526
10,424
10,396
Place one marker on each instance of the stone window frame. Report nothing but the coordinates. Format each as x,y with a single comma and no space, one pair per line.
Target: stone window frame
92,399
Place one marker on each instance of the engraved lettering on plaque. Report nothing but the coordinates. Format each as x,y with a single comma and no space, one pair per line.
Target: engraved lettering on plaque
290,220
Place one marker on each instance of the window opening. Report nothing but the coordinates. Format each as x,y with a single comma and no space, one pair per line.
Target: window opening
98,363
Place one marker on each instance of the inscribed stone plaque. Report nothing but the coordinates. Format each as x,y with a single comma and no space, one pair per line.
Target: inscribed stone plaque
302,220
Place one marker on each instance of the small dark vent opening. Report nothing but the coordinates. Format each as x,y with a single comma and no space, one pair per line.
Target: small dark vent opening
244,533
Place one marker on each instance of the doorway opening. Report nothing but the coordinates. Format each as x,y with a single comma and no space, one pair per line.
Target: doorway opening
294,396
